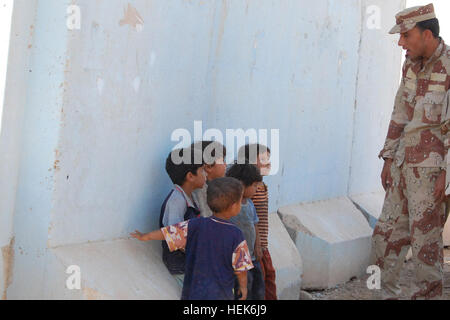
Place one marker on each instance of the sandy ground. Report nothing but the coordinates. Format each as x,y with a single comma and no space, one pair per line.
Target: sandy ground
357,288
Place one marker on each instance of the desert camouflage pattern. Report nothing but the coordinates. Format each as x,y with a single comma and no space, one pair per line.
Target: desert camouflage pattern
408,18
417,135
417,141
411,218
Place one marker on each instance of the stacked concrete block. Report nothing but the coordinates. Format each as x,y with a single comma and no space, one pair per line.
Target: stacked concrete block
446,234
120,269
370,204
129,269
333,238
286,260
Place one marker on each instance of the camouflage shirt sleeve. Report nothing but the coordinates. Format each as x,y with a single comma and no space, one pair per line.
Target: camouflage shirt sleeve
445,130
445,126
399,120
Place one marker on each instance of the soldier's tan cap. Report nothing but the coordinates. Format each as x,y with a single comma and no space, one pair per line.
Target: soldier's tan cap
408,18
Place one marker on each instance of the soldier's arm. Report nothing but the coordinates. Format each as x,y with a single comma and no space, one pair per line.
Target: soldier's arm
445,130
399,120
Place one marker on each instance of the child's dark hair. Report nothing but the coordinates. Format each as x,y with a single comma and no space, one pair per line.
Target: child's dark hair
246,173
222,193
250,152
214,150
182,161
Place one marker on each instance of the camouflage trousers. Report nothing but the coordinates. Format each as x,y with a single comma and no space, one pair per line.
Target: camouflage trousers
411,217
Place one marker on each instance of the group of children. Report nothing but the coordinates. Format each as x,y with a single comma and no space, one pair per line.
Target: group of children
214,224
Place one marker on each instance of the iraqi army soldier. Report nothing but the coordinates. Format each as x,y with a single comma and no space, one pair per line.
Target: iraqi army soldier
415,156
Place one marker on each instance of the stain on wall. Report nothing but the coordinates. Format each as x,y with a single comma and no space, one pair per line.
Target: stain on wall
132,18
8,262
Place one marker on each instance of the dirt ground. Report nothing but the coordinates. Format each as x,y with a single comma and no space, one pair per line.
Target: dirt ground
357,288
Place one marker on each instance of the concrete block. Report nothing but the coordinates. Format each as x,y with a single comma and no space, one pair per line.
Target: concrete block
129,269
370,204
120,269
446,234
333,238
304,295
286,260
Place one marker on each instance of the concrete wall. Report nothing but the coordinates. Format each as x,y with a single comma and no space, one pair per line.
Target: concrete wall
11,134
377,83
89,112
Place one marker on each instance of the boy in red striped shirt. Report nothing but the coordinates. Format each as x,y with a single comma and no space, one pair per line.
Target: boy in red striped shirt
248,153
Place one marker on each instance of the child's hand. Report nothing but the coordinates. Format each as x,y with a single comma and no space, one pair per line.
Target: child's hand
136,234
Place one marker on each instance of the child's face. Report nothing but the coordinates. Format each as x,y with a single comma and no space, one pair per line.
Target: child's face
250,190
236,208
197,180
217,170
263,163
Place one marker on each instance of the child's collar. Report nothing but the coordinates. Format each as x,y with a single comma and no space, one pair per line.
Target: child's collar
189,201
217,219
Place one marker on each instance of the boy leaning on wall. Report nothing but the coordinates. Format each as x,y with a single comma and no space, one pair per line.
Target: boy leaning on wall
187,176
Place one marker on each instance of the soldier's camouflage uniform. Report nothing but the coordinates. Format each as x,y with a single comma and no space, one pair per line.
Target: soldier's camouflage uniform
417,141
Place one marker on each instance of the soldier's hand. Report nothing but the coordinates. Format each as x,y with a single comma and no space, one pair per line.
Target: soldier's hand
439,187
386,178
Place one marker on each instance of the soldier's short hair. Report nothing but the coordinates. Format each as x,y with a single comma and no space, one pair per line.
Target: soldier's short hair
432,25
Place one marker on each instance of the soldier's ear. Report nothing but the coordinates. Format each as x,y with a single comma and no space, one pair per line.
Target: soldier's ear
427,35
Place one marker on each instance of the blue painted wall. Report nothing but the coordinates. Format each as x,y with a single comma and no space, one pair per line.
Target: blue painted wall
103,101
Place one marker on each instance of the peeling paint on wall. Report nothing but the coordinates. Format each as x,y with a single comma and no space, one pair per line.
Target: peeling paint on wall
8,261
56,165
132,18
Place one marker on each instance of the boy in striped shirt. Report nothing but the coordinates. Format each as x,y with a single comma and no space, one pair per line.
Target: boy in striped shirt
260,156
